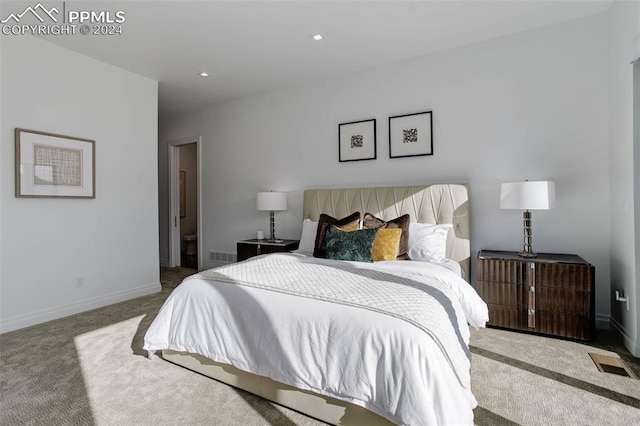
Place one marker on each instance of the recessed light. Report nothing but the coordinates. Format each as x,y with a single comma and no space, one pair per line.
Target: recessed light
317,37
204,74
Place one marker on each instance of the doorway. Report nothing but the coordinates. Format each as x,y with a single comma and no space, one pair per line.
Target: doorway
184,203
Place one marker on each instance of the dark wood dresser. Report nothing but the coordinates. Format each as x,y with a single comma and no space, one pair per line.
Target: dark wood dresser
552,294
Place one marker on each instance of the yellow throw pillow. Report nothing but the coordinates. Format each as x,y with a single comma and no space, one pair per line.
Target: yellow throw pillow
385,246
402,222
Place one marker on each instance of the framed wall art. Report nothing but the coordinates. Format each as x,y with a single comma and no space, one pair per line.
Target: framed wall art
411,135
50,165
357,140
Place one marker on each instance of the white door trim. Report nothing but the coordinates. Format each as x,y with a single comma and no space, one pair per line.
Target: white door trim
174,199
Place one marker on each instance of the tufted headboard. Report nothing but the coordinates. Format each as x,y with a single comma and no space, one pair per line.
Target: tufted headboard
440,203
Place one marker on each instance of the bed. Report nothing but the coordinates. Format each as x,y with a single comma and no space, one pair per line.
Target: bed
374,343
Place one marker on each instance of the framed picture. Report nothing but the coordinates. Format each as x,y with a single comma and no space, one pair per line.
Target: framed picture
183,193
357,140
50,165
411,135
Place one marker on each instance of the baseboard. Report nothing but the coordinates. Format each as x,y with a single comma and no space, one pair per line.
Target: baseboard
631,344
603,322
164,263
25,320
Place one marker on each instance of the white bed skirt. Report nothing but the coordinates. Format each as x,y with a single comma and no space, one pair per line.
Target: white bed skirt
321,407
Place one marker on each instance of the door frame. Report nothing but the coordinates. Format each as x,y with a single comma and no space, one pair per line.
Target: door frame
174,198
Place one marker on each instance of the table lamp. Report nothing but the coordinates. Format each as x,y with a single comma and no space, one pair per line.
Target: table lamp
272,202
535,195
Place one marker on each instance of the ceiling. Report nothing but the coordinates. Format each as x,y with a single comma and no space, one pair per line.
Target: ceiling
254,46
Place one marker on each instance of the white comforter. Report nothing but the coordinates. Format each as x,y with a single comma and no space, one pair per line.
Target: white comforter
378,361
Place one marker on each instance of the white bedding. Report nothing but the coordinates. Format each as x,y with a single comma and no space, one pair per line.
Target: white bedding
368,358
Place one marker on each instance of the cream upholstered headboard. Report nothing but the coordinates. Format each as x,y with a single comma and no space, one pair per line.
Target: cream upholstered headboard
439,203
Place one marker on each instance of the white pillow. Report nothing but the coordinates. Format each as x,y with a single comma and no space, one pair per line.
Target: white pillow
308,237
428,242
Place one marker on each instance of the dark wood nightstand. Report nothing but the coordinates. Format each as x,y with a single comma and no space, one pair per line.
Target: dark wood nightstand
550,294
254,247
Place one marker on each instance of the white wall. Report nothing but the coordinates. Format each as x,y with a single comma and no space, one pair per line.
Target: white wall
1,166
527,106
112,241
634,345
625,221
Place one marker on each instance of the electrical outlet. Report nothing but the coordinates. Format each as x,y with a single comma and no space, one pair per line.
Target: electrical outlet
622,298
79,282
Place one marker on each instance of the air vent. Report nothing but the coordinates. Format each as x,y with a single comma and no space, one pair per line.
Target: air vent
612,365
215,256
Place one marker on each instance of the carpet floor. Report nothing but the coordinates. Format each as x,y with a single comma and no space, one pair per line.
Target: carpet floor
90,369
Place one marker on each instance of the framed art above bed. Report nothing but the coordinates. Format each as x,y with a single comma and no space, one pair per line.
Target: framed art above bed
411,135
357,140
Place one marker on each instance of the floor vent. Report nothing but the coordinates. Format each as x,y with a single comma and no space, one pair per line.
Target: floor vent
612,365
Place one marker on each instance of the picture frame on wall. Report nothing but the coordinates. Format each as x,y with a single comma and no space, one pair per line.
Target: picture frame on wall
54,166
411,135
357,140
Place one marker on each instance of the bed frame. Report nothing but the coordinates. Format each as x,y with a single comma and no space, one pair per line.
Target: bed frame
441,203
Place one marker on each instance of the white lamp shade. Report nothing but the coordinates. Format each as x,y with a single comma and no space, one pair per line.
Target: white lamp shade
271,201
537,195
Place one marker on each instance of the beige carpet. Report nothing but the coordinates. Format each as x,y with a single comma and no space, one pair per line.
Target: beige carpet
526,379
90,369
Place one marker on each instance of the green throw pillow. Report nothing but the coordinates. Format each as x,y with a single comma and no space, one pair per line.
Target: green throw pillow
348,245
349,223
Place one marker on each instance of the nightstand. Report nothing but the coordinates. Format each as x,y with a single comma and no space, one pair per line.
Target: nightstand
552,294
254,247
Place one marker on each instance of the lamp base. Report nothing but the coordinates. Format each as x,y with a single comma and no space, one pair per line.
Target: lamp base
527,250
527,254
274,240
